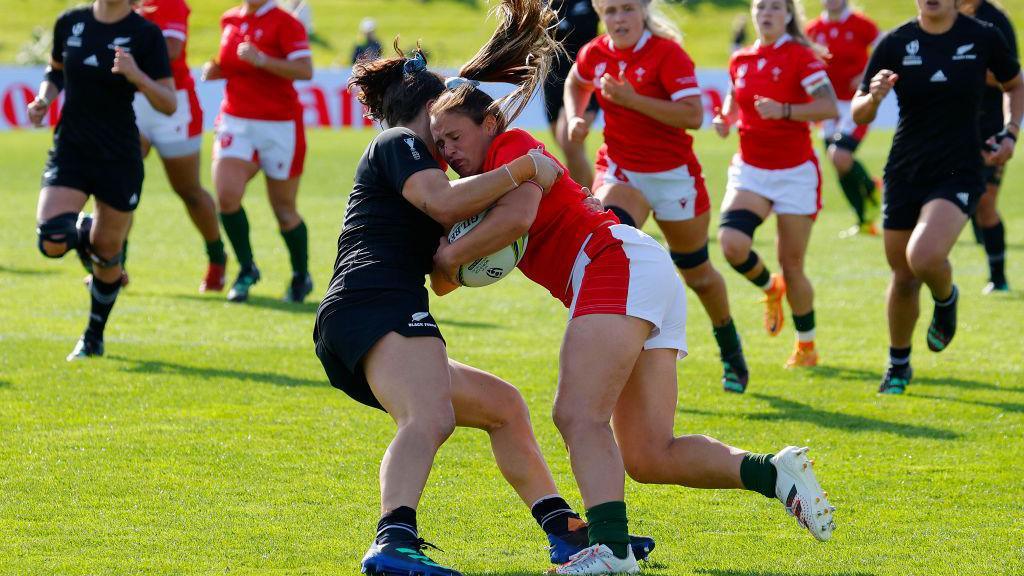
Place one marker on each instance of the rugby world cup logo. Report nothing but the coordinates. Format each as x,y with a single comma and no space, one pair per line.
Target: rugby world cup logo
912,58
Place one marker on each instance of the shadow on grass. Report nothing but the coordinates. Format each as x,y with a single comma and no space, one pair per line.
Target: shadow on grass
265,302
169,368
1003,406
874,377
789,410
27,271
5,384
713,572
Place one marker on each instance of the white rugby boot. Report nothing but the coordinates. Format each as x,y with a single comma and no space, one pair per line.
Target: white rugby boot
599,559
801,494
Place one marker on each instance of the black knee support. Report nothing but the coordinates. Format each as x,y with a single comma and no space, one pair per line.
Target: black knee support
691,260
60,229
749,265
624,216
743,221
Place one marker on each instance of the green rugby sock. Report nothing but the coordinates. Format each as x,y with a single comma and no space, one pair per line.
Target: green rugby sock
215,252
236,226
609,526
852,185
758,474
861,173
297,241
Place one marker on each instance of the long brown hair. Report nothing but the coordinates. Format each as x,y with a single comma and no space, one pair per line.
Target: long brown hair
795,27
519,52
393,91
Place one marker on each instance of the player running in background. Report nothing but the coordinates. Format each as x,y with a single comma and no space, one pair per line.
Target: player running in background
178,139
938,65
848,36
102,54
779,86
987,218
577,25
617,396
647,87
263,49
374,334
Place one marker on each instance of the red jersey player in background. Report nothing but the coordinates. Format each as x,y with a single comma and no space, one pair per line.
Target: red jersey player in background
178,138
647,86
263,49
625,334
779,86
849,37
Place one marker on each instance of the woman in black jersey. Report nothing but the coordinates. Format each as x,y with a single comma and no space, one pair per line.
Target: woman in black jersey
937,64
102,54
988,223
374,333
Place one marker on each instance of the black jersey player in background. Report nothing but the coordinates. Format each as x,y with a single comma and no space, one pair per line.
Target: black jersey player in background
577,25
937,63
102,54
987,222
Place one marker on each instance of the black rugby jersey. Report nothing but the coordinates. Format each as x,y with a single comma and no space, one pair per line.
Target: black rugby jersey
577,24
386,242
939,92
97,120
992,120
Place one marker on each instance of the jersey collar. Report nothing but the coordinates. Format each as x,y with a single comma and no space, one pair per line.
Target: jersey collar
778,43
842,17
262,10
644,39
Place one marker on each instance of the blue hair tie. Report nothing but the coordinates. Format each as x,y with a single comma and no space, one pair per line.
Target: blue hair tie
454,82
415,64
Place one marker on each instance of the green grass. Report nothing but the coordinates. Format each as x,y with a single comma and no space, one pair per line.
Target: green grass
451,29
208,441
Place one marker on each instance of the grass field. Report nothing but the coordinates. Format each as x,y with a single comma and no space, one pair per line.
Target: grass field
449,28
207,441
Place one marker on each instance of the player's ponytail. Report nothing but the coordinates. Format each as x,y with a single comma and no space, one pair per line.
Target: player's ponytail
519,52
795,23
395,90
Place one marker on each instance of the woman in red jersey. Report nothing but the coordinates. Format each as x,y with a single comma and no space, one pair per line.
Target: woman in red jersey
263,49
848,36
647,86
178,138
779,86
617,390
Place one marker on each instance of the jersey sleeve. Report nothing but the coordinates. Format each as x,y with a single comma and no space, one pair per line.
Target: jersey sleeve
1004,25
585,64
154,60
60,36
869,32
1002,62
173,20
397,155
678,75
509,146
293,41
811,71
879,61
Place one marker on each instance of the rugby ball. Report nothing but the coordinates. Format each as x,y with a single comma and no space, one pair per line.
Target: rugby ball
489,269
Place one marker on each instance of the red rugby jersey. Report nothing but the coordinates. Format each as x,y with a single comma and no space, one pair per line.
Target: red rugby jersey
786,72
563,221
172,18
656,67
849,40
251,92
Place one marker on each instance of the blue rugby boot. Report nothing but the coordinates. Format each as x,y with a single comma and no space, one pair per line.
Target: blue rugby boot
402,558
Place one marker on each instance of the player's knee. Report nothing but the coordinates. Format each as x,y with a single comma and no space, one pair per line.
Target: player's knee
435,428
643,464
192,195
736,234
570,420
923,259
58,235
287,217
792,267
507,408
841,158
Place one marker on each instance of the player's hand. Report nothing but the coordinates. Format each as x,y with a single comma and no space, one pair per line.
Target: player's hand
444,268
999,151
37,110
592,202
248,52
721,124
548,170
578,129
125,65
617,90
882,84
211,71
769,109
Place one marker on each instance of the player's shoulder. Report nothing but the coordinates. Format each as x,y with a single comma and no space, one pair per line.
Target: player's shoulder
816,23
862,20
515,137
597,45
967,27
141,24
398,134
231,14
283,17
667,47
77,14
794,49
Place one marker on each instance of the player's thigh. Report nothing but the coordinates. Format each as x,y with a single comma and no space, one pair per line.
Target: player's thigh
410,377
230,177
794,234
686,236
482,400
645,412
741,199
896,242
626,197
937,230
183,174
56,200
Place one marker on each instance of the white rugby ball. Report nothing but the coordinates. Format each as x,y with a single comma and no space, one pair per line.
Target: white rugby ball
489,269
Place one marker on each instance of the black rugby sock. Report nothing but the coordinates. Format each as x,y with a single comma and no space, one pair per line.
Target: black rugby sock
297,241
236,226
399,525
852,186
215,252
995,248
899,356
727,337
102,296
624,216
758,474
866,182
553,514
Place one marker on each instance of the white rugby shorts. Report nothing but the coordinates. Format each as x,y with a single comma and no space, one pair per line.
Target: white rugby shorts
174,136
278,146
790,190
